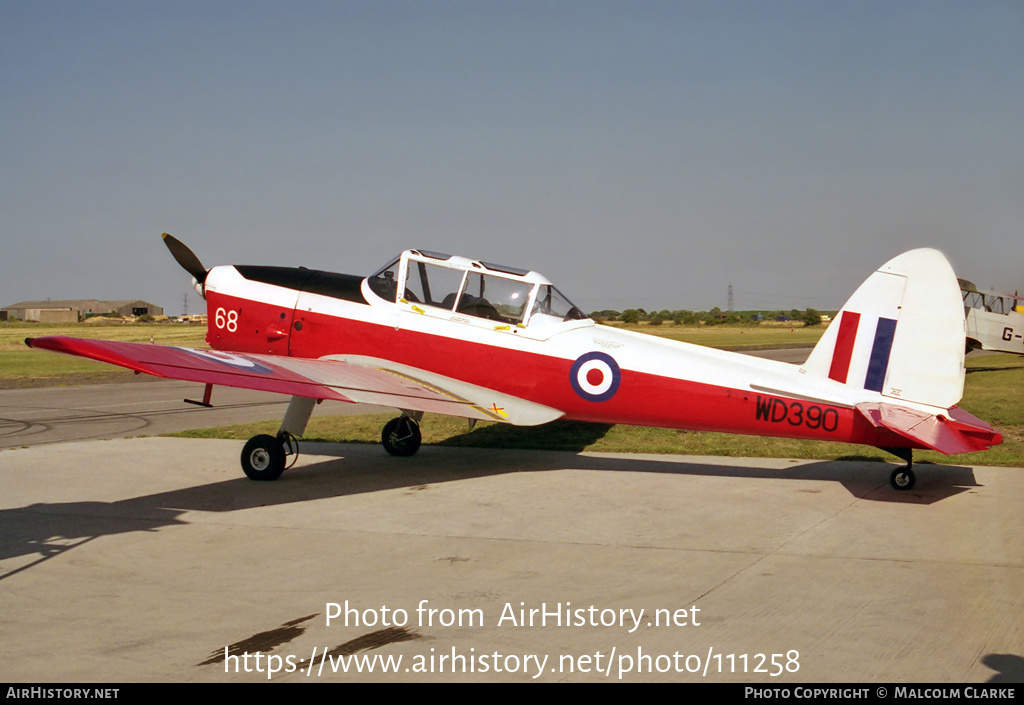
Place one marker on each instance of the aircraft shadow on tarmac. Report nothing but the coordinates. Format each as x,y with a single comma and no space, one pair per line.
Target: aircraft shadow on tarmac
49,530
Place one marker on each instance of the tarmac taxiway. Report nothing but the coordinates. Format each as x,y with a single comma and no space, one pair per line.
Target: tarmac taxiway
153,559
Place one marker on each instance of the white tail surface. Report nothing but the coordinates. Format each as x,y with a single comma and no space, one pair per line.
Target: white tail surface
901,334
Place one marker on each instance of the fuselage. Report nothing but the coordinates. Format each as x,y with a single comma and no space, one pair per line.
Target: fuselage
591,372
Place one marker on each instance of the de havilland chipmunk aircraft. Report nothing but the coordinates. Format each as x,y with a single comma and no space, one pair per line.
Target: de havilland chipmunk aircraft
434,333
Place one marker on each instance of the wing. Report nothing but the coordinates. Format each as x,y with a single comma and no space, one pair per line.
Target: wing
363,380
955,431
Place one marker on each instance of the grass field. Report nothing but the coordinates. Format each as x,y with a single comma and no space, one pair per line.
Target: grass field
730,337
20,366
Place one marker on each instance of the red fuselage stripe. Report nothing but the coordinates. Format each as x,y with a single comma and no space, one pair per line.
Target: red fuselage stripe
643,399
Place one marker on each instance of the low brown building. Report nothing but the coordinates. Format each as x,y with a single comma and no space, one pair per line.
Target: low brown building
74,310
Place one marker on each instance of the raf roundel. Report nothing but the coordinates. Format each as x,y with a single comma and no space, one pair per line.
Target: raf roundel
595,376
230,359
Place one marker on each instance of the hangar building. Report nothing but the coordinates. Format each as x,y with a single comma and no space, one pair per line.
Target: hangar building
74,310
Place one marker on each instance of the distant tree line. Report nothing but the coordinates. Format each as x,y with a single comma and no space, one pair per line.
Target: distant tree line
714,317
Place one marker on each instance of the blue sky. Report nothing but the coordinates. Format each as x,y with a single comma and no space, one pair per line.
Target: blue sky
637,153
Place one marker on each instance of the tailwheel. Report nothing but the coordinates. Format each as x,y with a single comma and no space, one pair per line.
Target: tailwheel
263,457
401,436
902,478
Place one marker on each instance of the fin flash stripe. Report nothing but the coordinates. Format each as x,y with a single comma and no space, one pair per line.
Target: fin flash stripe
848,325
878,364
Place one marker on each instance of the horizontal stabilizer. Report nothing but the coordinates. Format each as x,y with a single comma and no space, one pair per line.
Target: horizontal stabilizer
954,431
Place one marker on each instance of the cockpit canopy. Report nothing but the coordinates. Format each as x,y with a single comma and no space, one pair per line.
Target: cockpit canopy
481,289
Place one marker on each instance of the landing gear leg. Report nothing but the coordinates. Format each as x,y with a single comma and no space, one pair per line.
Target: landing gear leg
903,478
401,436
264,456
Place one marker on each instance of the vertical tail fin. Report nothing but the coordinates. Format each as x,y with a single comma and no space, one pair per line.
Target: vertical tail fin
901,334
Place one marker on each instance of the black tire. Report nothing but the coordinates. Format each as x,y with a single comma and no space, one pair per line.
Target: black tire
263,458
401,437
902,479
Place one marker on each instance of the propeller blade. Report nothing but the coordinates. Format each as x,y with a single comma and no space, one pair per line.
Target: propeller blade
185,257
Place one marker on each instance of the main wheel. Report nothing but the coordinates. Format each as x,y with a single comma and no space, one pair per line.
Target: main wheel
902,478
401,436
263,458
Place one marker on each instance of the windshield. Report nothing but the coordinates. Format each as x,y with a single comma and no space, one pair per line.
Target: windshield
385,282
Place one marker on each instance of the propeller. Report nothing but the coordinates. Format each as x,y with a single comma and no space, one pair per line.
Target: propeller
187,259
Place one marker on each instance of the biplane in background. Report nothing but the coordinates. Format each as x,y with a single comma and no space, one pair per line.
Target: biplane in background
994,321
434,333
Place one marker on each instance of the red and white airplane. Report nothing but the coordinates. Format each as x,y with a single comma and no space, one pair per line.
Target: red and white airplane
441,334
